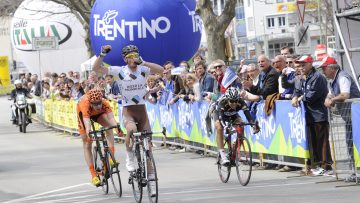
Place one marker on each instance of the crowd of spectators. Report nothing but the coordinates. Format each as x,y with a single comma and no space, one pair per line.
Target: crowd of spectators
285,77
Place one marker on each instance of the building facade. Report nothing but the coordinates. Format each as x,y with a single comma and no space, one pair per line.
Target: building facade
270,25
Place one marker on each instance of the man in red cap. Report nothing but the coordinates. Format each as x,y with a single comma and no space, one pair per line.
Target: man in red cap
341,87
312,91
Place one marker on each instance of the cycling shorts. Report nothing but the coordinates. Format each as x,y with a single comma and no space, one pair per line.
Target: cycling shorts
136,115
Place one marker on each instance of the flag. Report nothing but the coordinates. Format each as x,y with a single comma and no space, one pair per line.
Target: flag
177,70
229,77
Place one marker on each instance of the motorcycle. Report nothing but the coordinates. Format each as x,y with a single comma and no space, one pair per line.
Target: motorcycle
22,115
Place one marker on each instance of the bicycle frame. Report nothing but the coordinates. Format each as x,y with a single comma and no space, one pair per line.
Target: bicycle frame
140,178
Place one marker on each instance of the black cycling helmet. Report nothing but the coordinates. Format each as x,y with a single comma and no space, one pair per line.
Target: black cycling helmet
232,93
128,49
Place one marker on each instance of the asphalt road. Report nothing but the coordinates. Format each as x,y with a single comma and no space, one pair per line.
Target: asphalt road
45,165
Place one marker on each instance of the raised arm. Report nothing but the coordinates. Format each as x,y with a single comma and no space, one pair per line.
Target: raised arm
98,67
154,68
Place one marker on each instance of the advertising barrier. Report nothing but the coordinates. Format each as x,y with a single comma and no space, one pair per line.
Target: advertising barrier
355,112
282,133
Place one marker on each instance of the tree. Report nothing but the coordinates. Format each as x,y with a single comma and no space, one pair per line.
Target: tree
8,7
215,26
325,12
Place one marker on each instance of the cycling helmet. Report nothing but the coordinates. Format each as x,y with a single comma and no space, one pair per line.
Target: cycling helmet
17,82
128,49
95,95
232,93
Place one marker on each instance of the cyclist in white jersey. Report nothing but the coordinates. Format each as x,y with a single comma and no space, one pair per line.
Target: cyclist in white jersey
132,81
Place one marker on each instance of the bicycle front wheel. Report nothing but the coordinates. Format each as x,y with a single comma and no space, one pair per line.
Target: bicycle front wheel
224,171
243,160
100,169
152,180
136,177
115,175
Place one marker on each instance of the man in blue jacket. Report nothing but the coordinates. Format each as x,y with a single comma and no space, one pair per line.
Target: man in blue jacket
206,81
312,91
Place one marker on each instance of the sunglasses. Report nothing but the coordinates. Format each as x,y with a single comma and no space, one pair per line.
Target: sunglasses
219,66
96,103
289,62
132,56
213,72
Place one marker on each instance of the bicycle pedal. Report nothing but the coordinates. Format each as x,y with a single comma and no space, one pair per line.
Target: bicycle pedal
130,181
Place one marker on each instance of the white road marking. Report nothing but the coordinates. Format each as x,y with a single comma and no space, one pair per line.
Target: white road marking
192,190
45,193
232,188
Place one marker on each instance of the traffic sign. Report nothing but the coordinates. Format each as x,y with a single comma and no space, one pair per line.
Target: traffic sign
302,40
45,43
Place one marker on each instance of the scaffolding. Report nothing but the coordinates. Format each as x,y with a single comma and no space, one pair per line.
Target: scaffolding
347,21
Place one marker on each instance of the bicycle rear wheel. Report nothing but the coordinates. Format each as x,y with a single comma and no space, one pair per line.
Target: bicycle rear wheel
152,180
243,160
115,176
224,171
136,177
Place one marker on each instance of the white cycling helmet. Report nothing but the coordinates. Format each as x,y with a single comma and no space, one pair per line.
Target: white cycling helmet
17,82
232,93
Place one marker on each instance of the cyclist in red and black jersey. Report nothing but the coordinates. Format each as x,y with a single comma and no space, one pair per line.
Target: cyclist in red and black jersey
226,109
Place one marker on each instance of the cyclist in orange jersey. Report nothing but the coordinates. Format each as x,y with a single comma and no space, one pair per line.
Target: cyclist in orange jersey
92,106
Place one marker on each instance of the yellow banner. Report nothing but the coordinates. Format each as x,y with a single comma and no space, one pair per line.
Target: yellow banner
290,7
4,71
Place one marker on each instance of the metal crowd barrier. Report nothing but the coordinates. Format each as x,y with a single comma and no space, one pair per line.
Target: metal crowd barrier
341,141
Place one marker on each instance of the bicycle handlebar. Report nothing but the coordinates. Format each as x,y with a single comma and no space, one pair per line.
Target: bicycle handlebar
145,133
102,129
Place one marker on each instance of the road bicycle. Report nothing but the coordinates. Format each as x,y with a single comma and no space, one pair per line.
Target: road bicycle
239,154
102,158
140,177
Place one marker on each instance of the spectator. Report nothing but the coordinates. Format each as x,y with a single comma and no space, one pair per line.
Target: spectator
286,74
46,90
36,85
196,59
169,83
341,88
286,51
220,68
152,89
28,77
29,87
253,73
268,83
185,64
297,76
191,92
113,87
206,82
54,79
70,74
312,92
76,75
77,91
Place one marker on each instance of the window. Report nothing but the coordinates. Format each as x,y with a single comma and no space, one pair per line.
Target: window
279,1
281,21
271,22
249,3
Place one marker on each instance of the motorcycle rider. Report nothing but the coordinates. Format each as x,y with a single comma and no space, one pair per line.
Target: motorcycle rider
18,90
